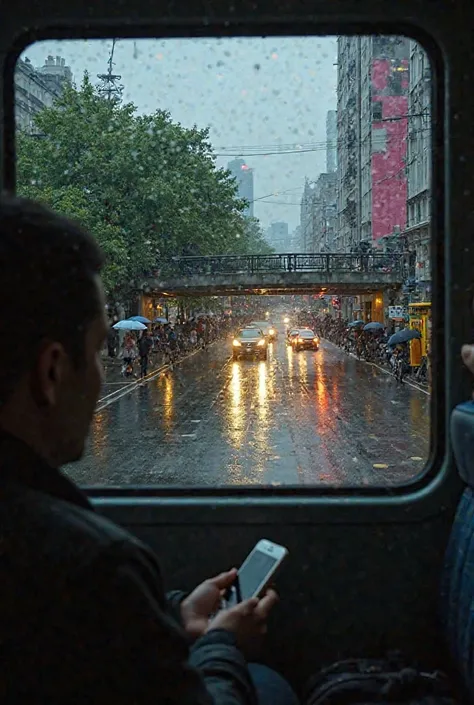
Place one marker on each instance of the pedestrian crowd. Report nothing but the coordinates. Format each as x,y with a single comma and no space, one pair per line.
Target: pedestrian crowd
165,343
369,345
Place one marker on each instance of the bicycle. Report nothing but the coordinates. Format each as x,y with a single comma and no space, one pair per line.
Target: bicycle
400,369
421,374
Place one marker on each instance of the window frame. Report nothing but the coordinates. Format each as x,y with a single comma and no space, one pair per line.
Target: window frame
438,476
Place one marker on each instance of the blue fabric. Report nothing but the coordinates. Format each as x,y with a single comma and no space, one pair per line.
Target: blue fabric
457,591
462,436
457,588
272,689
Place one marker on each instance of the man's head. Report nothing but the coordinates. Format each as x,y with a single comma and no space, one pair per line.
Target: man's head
52,329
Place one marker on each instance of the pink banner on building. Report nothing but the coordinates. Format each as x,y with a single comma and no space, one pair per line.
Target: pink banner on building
389,146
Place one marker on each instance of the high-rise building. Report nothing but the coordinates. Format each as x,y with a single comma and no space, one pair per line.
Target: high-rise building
384,167
37,88
278,236
319,214
307,217
296,244
243,174
417,234
372,106
348,140
331,141
324,213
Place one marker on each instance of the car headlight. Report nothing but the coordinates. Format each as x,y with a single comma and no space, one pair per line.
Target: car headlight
236,344
300,340
261,343
315,340
271,331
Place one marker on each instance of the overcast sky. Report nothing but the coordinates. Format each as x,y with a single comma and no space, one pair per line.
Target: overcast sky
255,94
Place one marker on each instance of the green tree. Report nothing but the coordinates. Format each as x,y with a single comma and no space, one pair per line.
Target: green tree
251,239
145,186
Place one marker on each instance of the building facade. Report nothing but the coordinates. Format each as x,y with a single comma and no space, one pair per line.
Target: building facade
306,217
417,235
38,88
372,107
348,142
331,141
318,215
296,244
243,175
278,237
389,82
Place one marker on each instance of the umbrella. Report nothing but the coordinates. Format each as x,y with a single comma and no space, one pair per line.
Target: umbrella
374,325
129,325
403,336
160,320
356,323
140,319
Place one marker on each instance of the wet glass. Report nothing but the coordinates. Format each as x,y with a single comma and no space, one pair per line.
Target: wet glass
246,333
284,180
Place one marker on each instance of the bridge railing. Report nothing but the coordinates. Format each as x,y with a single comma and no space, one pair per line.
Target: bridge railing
280,263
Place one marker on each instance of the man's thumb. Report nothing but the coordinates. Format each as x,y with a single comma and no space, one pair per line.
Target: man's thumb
226,579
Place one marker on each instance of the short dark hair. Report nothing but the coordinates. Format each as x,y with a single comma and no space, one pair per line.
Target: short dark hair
48,265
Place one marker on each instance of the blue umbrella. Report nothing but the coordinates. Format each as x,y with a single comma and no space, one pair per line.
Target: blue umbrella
129,325
374,325
140,319
403,336
356,323
160,320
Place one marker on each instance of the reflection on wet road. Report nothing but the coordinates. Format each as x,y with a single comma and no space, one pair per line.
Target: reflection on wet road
299,418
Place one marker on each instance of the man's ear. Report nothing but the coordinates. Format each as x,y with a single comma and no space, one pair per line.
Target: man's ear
48,373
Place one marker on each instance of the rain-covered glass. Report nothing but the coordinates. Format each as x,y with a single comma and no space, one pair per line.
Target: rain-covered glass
285,180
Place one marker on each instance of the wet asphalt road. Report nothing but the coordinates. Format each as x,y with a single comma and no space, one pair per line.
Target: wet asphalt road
298,419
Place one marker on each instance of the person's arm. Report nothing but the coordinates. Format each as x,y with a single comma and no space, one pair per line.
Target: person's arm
112,640
174,598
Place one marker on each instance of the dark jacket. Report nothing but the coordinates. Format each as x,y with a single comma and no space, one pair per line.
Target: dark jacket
145,344
83,614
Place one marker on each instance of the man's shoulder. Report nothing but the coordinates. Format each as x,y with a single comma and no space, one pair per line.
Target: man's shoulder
40,530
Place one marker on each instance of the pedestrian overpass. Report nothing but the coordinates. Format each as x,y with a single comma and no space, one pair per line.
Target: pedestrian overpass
231,275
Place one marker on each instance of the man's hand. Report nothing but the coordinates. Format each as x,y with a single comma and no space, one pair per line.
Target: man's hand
204,602
467,353
247,621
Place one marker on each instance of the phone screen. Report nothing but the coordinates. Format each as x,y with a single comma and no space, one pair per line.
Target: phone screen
254,572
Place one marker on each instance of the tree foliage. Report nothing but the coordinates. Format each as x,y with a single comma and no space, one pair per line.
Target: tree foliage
145,186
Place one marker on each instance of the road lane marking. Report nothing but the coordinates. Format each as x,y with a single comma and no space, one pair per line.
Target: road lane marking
130,386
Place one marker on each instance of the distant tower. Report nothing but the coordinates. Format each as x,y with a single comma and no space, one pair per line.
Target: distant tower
109,88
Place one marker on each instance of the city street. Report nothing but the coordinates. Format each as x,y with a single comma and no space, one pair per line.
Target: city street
298,419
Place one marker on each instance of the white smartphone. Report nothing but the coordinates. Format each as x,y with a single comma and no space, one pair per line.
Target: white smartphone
256,572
